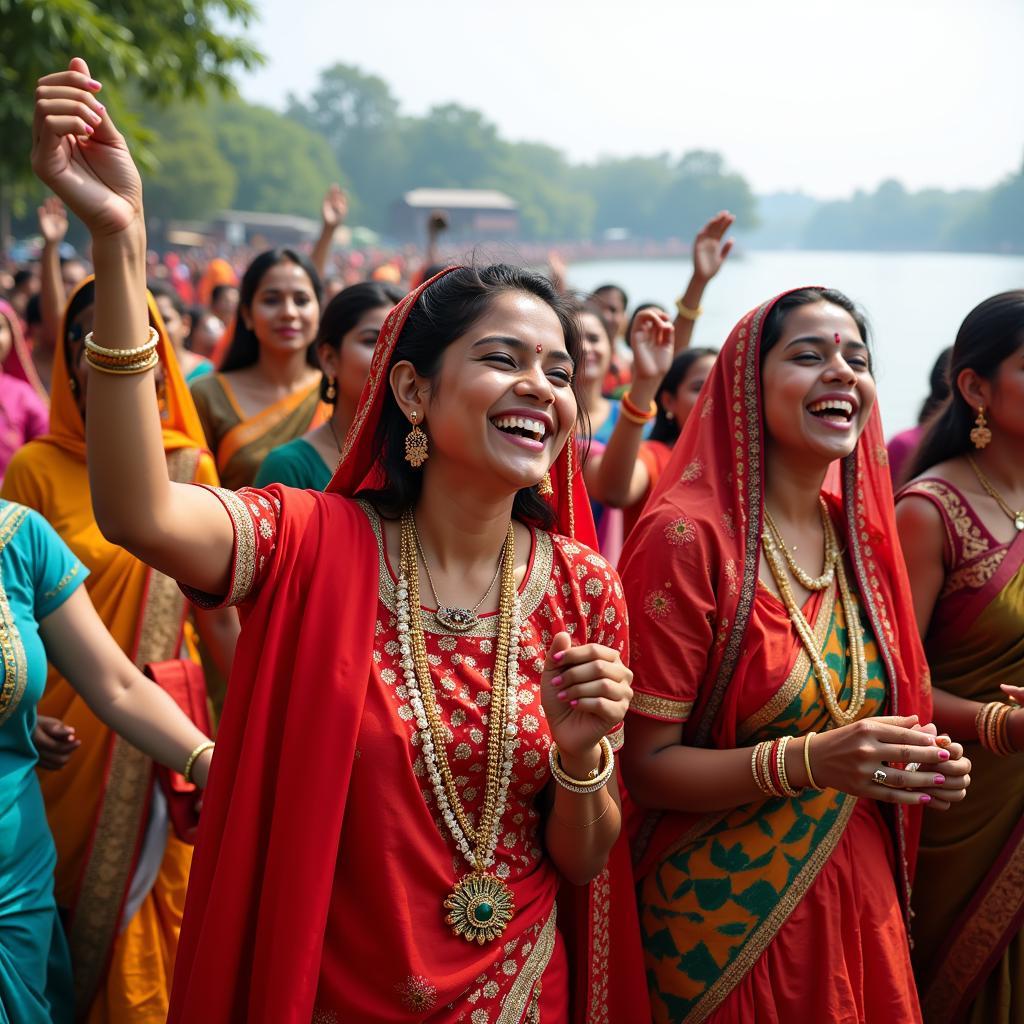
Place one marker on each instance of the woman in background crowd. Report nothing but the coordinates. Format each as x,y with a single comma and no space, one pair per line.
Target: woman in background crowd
902,446
23,411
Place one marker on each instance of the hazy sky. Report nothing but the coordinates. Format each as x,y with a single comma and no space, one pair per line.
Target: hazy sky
820,96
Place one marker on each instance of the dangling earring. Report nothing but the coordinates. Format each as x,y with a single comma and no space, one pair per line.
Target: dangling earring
669,414
981,436
416,444
544,488
331,392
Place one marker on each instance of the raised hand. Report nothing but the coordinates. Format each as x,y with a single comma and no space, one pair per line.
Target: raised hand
709,251
53,220
652,342
585,692
335,207
79,154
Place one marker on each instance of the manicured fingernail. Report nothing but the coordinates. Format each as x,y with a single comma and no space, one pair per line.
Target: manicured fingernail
93,84
94,117
924,798
943,754
563,695
940,779
573,703
89,129
557,681
559,656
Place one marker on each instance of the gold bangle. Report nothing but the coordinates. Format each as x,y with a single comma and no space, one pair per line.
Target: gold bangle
124,353
591,785
194,756
594,821
685,312
151,362
807,761
787,789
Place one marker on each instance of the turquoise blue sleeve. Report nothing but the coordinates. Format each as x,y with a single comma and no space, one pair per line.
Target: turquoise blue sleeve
279,467
58,573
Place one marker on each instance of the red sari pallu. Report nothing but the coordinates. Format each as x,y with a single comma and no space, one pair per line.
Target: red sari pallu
714,651
317,885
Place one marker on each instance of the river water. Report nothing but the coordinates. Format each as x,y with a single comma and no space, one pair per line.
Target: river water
914,302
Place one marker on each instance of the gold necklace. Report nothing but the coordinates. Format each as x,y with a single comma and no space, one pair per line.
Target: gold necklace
1017,518
855,634
480,905
808,582
458,620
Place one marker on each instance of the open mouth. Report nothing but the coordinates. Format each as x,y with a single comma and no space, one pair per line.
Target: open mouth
833,410
522,426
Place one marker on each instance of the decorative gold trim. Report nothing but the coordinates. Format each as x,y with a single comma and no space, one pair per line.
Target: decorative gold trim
126,795
665,708
600,948
797,678
12,649
766,931
517,1001
68,577
617,739
531,596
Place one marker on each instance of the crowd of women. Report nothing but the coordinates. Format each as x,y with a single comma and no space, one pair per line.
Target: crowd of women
397,549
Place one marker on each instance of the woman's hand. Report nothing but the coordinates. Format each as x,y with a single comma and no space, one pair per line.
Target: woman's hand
79,154
335,208
709,251
848,758
651,340
54,741
53,220
585,692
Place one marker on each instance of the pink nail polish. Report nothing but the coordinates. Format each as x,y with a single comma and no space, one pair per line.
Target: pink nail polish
559,656
924,798
943,755
940,779
563,695
573,703
557,681
89,129
93,84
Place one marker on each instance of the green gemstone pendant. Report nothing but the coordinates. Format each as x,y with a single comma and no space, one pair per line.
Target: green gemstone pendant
480,907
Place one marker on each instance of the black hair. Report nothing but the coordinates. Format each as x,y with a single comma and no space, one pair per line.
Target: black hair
342,313
433,270
664,429
443,313
992,332
613,288
162,290
83,298
34,310
245,348
938,386
776,319
219,289
23,275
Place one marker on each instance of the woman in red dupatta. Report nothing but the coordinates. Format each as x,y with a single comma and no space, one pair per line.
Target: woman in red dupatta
329,874
762,896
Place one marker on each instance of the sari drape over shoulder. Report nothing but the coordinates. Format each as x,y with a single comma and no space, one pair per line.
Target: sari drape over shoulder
969,892
123,896
240,443
714,651
291,824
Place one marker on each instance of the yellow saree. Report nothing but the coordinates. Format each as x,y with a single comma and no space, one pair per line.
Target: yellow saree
121,876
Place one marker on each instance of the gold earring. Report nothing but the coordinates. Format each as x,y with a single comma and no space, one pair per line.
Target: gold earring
331,393
416,445
544,488
981,436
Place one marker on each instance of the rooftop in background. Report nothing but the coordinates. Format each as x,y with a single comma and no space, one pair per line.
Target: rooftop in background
459,199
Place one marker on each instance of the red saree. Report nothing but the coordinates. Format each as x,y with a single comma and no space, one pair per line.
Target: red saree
296,819
714,651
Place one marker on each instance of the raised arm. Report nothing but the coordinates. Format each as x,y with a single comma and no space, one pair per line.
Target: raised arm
333,214
182,530
621,479
53,225
709,253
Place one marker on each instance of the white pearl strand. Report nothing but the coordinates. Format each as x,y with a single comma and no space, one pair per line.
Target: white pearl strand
485,856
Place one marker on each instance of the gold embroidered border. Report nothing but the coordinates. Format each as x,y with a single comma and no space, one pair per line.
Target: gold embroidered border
517,1001
762,937
797,677
12,650
125,798
244,568
600,948
977,935
617,739
532,595
665,708
973,574
69,576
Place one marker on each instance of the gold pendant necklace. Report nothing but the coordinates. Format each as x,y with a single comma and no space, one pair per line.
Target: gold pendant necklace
480,905
1017,518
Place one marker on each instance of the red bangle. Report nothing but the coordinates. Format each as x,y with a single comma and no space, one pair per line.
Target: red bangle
636,413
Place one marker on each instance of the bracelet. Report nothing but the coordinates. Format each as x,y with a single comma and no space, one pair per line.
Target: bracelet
194,756
786,788
993,728
634,412
807,761
598,777
685,312
594,821
124,353
756,768
150,362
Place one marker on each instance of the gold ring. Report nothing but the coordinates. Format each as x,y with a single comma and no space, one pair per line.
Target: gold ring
880,777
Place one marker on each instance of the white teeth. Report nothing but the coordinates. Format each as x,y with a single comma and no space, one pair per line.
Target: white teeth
832,405
535,427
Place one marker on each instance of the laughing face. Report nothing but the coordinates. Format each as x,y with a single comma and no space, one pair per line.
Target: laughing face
502,405
817,386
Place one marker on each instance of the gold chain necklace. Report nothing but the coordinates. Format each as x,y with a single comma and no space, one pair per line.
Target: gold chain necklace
458,620
855,632
1017,518
808,582
480,905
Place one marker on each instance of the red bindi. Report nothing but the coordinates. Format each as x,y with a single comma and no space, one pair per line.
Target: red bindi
540,348
839,340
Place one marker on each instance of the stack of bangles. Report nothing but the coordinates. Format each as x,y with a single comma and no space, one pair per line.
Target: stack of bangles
768,766
685,312
124,361
594,783
635,414
992,723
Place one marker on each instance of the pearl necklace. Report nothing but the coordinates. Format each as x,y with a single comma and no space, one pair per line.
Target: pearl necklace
480,905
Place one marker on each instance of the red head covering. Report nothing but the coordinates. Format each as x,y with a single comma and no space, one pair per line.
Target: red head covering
19,360
714,483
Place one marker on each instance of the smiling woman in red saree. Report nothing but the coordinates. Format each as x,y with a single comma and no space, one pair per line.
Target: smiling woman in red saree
762,896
